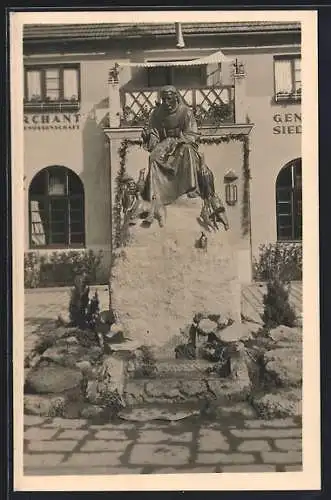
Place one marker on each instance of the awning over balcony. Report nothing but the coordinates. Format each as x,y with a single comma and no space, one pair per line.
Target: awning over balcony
215,58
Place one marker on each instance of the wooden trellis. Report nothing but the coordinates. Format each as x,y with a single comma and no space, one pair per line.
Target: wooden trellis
211,105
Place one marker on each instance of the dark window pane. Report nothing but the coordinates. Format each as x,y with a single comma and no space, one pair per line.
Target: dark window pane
58,227
58,203
194,76
159,76
76,215
75,184
284,178
76,227
284,222
285,232
77,238
283,211
58,215
284,194
38,185
59,238
76,204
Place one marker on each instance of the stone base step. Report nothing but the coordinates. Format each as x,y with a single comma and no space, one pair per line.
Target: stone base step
183,390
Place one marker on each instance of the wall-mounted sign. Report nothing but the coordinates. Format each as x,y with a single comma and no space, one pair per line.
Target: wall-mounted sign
61,121
287,123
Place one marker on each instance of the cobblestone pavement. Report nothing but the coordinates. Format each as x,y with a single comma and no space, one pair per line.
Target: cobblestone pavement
60,446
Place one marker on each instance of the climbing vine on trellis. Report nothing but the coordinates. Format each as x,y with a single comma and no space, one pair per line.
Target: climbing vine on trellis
123,152
117,210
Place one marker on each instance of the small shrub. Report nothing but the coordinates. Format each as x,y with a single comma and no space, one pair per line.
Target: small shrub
60,268
281,261
277,308
83,311
31,270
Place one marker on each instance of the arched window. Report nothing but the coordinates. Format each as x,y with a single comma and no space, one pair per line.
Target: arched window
289,202
56,209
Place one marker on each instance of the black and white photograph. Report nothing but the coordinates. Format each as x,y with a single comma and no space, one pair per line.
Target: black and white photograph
165,293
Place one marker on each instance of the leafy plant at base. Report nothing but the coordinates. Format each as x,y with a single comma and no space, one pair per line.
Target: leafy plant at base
277,308
60,268
149,367
279,260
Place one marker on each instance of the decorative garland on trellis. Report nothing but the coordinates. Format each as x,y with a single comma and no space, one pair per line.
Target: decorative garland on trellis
123,151
117,210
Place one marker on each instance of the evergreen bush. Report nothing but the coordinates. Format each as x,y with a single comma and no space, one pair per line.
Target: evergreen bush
277,308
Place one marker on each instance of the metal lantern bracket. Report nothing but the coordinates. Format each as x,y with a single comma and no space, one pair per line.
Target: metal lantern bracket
230,176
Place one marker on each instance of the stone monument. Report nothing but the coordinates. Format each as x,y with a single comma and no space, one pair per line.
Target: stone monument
178,261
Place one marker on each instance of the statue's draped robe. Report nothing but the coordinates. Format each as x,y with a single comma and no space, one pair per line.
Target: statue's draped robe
172,164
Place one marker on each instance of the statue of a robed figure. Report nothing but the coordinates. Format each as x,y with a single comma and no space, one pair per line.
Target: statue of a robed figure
176,167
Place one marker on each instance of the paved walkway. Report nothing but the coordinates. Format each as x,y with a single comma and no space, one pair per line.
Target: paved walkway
59,446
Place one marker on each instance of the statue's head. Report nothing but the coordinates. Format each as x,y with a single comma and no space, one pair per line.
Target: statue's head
169,97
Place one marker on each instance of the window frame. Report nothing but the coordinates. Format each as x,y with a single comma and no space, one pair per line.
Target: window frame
293,97
294,200
47,198
44,105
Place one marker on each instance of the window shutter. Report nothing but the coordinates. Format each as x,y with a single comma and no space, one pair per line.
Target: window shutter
33,85
70,84
283,76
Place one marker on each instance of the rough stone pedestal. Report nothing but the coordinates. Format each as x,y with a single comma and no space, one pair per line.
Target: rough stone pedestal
163,279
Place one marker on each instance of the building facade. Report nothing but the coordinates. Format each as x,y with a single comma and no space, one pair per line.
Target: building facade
89,87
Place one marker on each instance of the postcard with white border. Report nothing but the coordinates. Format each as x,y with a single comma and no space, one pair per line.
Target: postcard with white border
165,250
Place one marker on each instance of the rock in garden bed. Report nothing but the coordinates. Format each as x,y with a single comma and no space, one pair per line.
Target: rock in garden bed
51,405
278,404
70,353
49,377
284,336
237,332
283,367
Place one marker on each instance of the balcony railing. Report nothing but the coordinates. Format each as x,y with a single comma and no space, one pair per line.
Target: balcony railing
51,106
211,105
294,96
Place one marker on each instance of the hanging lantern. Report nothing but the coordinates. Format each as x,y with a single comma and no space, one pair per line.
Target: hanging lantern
179,35
231,188
231,194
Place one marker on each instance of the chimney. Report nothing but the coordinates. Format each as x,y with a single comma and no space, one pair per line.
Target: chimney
179,35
